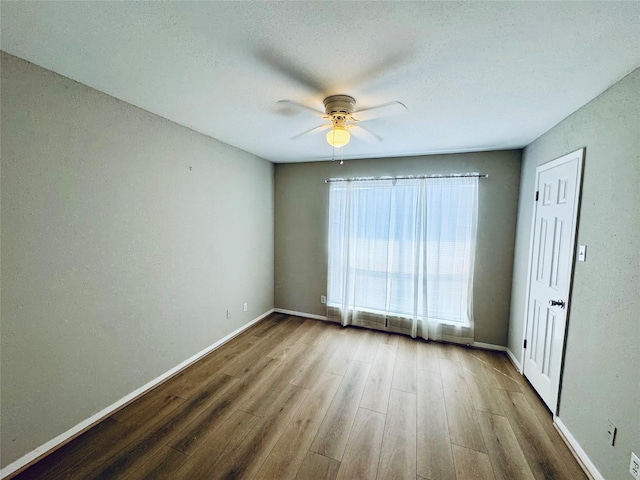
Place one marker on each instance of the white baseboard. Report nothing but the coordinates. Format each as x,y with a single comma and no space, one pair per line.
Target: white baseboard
489,346
486,346
299,314
514,360
577,450
80,428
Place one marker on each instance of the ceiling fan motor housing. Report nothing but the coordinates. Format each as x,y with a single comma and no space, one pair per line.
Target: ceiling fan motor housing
339,105
339,108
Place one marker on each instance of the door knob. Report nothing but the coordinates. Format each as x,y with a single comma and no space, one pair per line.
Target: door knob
557,303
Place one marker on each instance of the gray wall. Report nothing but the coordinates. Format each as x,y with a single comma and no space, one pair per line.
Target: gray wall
301,229
125,238
601,378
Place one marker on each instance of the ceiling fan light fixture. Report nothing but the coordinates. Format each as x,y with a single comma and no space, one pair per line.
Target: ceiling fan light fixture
338,136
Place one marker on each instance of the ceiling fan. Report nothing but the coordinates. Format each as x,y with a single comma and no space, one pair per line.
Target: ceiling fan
343,119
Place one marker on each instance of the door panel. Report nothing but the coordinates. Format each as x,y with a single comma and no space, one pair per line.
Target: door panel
554,226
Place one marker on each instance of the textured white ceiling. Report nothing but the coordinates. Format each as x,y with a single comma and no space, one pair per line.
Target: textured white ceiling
474,75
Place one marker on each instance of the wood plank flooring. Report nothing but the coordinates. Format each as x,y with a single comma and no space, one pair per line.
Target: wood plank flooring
294,398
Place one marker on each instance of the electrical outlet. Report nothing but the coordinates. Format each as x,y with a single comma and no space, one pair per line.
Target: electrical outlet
582,253
228,314
611,433
634,466
323,299
245,306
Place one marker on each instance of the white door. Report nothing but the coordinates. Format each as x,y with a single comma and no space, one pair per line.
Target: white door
550,272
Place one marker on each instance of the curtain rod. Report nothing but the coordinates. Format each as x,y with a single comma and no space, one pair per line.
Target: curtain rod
409,177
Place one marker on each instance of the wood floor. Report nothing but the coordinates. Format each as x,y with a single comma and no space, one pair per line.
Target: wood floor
303,399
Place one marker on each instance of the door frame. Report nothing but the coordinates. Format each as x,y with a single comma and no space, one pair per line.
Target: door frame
580,153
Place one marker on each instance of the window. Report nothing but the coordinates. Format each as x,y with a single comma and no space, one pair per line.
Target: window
403,248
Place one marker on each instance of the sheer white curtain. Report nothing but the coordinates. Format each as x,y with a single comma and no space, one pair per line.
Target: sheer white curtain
401,255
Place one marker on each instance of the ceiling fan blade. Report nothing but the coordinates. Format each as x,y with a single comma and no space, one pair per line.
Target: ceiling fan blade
364,133
285,67
375,73
386,109
319,128
301,107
